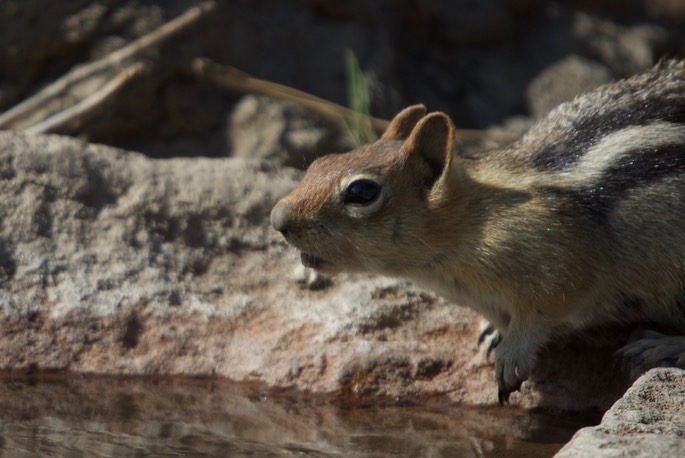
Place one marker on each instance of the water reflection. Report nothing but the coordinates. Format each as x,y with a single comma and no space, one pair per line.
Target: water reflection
77,416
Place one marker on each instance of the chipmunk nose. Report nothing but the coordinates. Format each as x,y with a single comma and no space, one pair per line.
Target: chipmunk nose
280,218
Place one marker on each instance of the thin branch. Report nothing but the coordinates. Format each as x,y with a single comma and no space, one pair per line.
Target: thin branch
80,110
239,81
338,115
82,72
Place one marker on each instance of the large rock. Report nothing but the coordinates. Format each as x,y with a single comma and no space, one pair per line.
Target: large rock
117,264
264,128
114,263
648,421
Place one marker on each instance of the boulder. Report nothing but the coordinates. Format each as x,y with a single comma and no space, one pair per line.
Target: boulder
114,263
263,128
647,421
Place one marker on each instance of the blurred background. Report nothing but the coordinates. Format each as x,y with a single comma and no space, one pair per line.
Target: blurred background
484,62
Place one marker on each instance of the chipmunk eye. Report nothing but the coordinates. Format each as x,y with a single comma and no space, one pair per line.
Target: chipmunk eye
362,192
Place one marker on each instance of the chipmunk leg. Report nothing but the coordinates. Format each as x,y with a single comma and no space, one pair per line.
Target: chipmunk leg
514,358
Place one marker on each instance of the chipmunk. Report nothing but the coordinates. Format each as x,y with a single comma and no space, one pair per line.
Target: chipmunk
579,222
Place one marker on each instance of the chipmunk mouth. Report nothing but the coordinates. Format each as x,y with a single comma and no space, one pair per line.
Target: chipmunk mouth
313,261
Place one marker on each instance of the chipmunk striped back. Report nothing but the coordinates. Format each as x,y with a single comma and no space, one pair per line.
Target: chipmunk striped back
623,135
579,222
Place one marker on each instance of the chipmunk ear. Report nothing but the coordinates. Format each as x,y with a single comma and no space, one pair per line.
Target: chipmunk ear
433,141
402,125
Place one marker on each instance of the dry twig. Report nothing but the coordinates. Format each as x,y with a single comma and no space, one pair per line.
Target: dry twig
338,115
63,118
107,63
239,81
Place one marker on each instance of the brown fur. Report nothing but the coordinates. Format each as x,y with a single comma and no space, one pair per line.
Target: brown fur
537,242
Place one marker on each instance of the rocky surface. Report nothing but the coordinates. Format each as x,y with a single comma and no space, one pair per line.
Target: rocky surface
114,263
263,128
647,421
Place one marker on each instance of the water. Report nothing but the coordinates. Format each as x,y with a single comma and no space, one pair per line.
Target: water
70,415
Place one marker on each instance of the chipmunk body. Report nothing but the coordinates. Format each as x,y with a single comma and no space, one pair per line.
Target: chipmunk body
579,222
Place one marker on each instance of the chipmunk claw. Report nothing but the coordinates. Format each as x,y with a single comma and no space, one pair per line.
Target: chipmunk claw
513,362
493,342
489,334
503,393
485,329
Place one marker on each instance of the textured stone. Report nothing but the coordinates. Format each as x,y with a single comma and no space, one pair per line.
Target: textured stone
113,263
263,128
647,421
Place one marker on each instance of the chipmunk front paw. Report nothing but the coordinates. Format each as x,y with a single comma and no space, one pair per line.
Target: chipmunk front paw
509,378
514,358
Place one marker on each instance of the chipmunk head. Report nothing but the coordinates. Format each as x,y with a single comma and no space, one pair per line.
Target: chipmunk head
358,211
